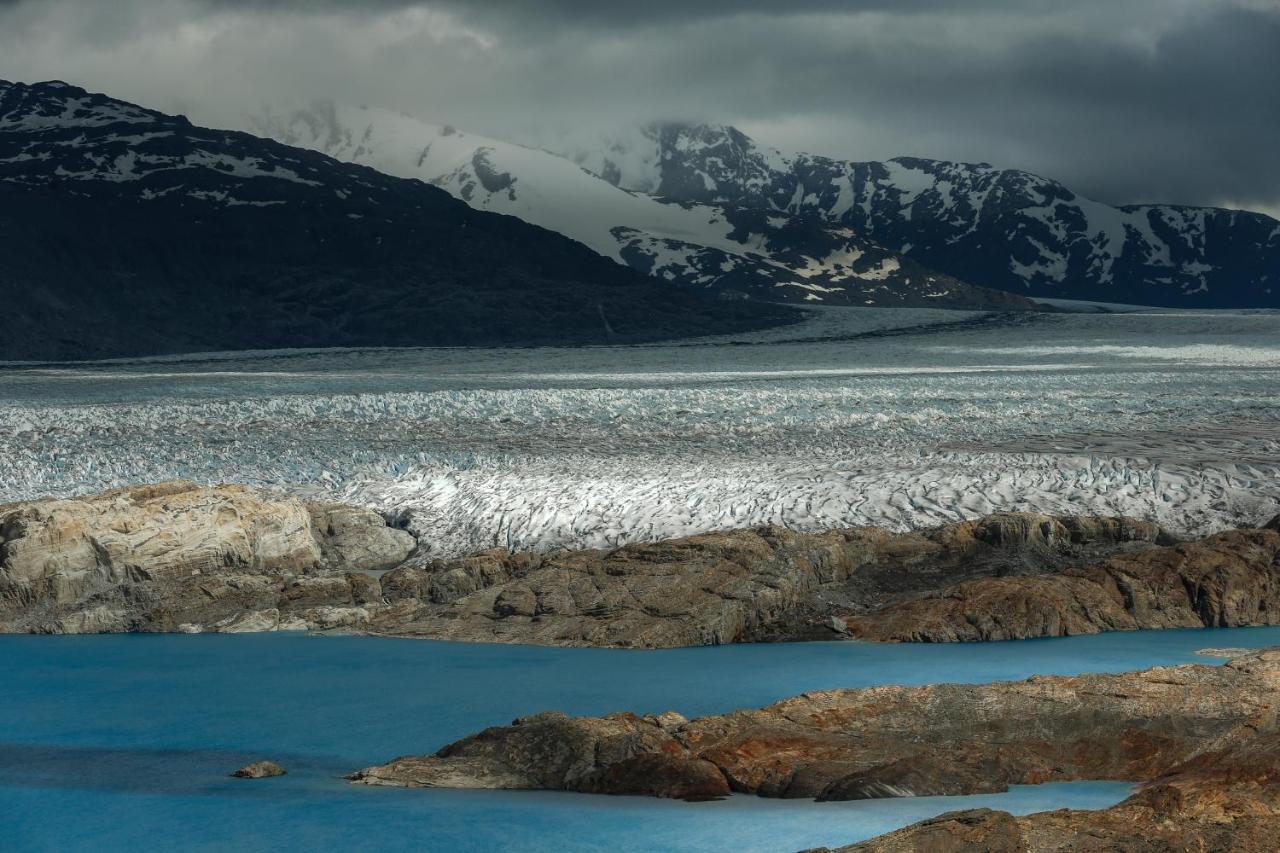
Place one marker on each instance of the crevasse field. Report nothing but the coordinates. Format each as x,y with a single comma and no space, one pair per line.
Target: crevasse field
902,417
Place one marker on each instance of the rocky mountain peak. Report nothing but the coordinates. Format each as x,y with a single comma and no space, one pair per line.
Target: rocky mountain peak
53,104
1003,228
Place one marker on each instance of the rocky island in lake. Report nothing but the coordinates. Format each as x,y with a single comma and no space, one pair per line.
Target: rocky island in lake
1202,742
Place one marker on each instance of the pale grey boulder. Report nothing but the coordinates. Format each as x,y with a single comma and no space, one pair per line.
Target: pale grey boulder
182,557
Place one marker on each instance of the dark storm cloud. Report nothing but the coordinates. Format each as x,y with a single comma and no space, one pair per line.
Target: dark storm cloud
601,13
1124,100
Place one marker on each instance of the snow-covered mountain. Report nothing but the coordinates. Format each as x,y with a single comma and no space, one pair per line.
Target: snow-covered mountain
700,244
992,227
125,231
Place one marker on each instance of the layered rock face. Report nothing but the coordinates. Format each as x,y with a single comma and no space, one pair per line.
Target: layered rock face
768,583
881,742
1229,579
176,556
1223,799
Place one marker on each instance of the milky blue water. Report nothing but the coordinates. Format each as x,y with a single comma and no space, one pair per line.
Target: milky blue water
124,742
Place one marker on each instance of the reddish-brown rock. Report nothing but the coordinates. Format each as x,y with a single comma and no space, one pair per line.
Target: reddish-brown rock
1230,579
767,583
1224,799
881,741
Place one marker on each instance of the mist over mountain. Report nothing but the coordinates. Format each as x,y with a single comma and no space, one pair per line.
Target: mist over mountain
706,246
705,206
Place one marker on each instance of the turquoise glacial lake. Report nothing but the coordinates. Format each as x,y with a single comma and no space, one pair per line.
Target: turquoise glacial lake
125,742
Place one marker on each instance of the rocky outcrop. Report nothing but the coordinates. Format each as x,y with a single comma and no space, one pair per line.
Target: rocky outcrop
1230,579
260,770
879,742
621,752
767,583
1222,799
177,556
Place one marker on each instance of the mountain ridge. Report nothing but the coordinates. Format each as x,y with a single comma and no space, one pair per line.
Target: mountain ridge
697,246
1002,228
130,232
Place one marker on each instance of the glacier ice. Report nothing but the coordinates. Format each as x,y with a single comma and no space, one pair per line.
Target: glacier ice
903,418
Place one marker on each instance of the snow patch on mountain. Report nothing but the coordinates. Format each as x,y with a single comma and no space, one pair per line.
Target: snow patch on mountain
606,200
491,175
995,227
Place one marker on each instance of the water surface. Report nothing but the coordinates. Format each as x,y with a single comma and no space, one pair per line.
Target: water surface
124,742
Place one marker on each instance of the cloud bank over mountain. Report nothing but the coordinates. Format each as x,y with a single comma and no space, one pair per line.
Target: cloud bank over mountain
1144,100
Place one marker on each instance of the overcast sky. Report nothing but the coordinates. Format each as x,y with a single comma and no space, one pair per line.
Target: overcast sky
1122,100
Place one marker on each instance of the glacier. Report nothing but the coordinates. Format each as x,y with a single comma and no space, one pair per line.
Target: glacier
900,417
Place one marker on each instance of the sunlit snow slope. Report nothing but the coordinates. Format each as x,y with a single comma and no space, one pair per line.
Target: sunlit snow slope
769,255
994,227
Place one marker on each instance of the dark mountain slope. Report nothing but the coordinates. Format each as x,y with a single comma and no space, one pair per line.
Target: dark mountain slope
126,232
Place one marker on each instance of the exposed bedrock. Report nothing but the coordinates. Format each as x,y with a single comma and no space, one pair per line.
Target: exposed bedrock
260,770
177,556
1229,579
767,583
879,742
1226,798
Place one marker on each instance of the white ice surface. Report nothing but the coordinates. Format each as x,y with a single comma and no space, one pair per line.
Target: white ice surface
858,416
536,186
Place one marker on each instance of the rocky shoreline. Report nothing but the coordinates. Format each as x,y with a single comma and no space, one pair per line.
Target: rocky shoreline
182,557
1201,740
1226,798
889,741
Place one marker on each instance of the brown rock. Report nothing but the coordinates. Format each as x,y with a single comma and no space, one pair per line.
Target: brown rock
515,600
1225,798
972,831
1230,579
176,556
882,741
675,777
742,585
259,770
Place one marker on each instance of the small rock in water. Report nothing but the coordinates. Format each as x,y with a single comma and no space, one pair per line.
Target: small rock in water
259,770
1222,653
